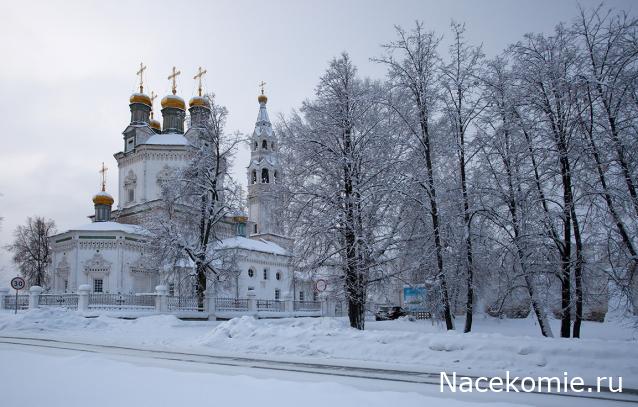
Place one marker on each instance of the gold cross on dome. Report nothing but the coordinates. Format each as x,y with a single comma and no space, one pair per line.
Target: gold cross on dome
140,73
261,85
103,172
173,76
153,97
199,75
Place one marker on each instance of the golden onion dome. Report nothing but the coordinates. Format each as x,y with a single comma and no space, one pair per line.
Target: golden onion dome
199,101
262,98
103,198
173,101
140,98
155,124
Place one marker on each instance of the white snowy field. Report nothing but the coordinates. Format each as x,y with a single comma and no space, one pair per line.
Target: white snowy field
496,346
31,378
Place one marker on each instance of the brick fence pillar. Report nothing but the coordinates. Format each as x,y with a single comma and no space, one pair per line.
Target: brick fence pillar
83,297
34,296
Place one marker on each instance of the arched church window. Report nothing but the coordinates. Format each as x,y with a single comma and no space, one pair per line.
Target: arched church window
275,177
264,176
253,178
265,274
251,273
272,145
278,276
264,145
255,228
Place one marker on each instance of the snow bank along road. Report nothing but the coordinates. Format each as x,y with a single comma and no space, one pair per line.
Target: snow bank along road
430,379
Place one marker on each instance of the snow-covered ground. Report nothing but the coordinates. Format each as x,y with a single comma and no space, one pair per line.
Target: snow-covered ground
608,349
66,379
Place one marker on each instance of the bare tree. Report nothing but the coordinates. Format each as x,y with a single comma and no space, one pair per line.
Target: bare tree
546,67
607,42
341,164
463,102
31,250
413,64
507,195
195,202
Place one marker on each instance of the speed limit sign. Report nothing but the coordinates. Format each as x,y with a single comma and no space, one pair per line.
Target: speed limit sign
321,285
18,283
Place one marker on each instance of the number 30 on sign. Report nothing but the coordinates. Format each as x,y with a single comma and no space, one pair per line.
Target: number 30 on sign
18,283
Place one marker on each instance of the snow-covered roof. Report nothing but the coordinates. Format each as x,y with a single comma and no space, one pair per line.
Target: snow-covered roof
262,116
171,139
261,245
109,227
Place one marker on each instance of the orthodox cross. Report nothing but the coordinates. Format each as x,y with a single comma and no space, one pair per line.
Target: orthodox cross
199,75
103,172
173,76
261,85
140,73
153,96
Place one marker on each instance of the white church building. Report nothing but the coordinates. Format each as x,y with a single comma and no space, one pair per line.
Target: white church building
108,254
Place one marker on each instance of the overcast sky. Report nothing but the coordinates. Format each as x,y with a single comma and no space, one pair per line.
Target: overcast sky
67,70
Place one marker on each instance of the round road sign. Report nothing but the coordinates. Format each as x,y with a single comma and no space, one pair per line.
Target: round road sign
321,285
18,283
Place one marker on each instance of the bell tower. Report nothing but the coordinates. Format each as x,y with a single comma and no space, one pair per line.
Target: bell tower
264,174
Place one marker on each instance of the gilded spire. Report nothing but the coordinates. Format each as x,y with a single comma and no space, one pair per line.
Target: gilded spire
153,96
140,73
262,98
103,172
198,77
172,77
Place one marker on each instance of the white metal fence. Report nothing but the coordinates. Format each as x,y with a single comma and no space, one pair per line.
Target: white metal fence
161,303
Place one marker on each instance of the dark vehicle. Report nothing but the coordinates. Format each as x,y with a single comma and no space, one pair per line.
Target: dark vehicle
387,313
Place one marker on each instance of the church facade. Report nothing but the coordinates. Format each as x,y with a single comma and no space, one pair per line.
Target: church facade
108,254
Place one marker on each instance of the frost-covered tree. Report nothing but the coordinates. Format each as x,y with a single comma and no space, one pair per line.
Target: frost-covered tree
506,192
195,201
547,68
31,250
608,125
462,102
413,70
341,159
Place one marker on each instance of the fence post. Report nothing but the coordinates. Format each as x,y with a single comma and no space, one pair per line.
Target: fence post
3,293
328,305
83,297
252,303
289,306
211,305
34,296
161,303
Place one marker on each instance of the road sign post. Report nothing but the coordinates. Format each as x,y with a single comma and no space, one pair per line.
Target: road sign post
17,283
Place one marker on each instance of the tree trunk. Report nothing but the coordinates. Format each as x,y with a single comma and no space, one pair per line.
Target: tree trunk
200,286
564,246
578,275
469,304
434,213
539,311
355,287
568,203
